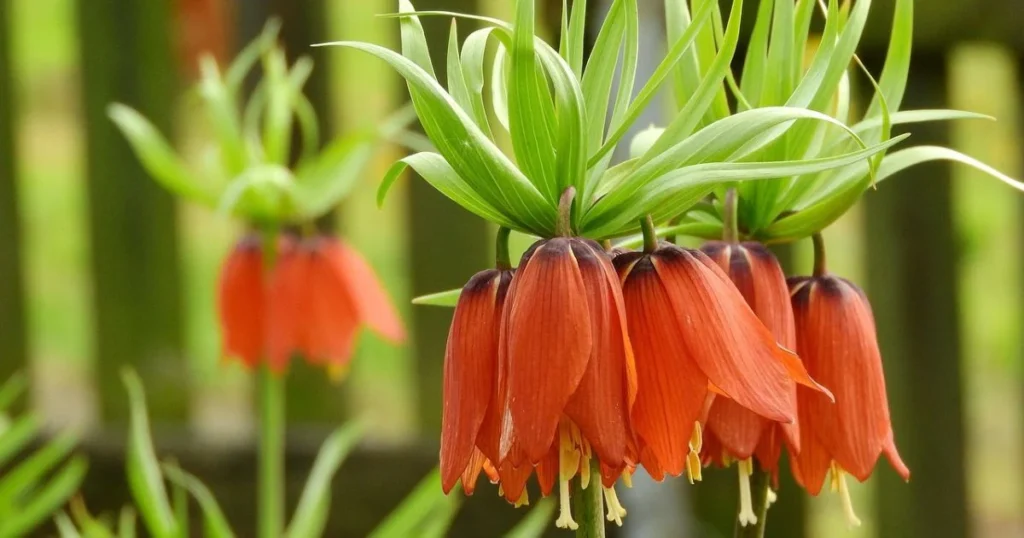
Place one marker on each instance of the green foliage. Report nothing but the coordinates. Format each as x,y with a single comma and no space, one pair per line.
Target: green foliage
555,112
42,479
425,512
250,173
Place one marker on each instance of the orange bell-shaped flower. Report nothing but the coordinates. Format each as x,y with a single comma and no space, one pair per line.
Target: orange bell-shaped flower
321,293
836,338
692,333
240,302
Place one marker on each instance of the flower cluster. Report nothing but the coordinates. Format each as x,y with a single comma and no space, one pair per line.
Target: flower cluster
312,301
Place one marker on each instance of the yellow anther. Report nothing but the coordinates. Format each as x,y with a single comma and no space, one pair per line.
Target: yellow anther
839,485
615,509
627,479
772,497
337,372
524,499
746,515
564,520
693,471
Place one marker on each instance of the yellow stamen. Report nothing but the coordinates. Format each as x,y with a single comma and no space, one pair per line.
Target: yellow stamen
627,479
747,515
524,499
337,372
564,520
839,485
693,467
615,509
772,497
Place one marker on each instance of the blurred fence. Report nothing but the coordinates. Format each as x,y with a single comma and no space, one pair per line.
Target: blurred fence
100,268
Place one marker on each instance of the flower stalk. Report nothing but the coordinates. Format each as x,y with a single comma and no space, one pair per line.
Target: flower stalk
588,505
271,394
761,497
820,265
730,220
650,235
501,258
563,227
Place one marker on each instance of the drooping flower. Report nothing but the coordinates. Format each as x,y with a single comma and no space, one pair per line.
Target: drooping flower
566,367
835,331
694,335
470,381
734,433
321,292
240,302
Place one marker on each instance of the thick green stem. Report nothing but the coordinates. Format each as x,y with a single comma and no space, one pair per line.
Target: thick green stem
650,235
501,259
820,267
759,483
588,504
563,227
271,396
730,219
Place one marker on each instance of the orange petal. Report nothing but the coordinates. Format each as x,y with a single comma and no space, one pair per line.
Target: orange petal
371,300
547,471
889,449
287,315
333,320
470,474
240,298
836,338
470,369
721,333
737,428
548,343
600,405
513,480
769,449
673,388
811,465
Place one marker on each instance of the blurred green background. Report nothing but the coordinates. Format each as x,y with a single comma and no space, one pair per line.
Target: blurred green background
939,251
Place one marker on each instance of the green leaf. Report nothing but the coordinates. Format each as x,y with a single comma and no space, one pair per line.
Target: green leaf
597,80
781,56
448,298
691,115
424,507
159,158
466,149
11,390
311,514
575,37
755,64
325,180
144,477
531,111
65,527
896,72
650,89
918,116
25,477
17,437
435,170
536,522
126,523
469,98
45,501
903,159
215,525
674,192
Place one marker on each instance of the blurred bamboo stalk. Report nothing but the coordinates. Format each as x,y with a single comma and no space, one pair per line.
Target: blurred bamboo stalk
126,56
912,282
13,337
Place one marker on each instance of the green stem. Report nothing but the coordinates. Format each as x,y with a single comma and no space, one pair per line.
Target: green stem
563,226
730,219
819,255
650,235
759,481
271,392
501,259
588,504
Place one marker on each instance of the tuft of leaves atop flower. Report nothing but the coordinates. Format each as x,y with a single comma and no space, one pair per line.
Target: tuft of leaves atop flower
251,170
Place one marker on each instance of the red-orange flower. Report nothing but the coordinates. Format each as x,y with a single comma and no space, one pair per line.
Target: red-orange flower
470,381
692,333
313,301
836,338
566,366
733,432
240,298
